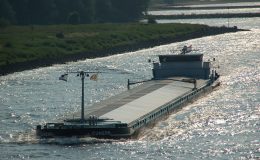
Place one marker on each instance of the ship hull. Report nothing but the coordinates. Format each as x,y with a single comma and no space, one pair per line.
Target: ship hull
86,132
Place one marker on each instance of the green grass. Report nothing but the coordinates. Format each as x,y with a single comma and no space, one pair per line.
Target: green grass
25,43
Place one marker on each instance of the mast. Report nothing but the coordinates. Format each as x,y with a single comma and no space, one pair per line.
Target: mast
82,75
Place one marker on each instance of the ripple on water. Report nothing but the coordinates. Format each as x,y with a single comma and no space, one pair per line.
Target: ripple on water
221,125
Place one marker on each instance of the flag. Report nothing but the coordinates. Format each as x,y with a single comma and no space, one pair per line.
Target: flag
93,77
64,77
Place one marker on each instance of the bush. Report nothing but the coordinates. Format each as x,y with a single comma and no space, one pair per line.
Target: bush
4,23
61,45
8,45
60,35
70,41
151,20
7,62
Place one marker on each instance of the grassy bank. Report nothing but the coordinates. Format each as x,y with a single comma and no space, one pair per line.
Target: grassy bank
26,47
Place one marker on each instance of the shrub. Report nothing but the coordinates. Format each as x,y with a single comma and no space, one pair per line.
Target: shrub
4,23
7,62
60,35
8,45
70,41
151,20
61,45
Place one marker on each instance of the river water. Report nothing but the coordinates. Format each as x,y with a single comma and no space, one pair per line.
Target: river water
225,9
205,11
222,125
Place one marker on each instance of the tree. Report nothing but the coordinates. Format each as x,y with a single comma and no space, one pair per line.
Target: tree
104,11
74,18
72,11
40,11
88,13
21,11
6,11
130,10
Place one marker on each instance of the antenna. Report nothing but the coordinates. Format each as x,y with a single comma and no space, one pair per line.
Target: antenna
82,75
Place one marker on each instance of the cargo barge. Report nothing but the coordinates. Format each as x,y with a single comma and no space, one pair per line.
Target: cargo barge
177,79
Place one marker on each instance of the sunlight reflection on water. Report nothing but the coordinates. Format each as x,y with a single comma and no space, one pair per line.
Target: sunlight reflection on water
221,125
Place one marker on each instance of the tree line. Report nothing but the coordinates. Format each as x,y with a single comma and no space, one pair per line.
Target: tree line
43,12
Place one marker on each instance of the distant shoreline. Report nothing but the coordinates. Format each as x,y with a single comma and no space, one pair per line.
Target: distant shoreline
43,62
193,5
171,7
196,16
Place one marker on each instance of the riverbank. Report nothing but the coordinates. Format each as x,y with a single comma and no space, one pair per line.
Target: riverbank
29,47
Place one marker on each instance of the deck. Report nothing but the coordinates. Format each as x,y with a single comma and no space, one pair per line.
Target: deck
143,99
